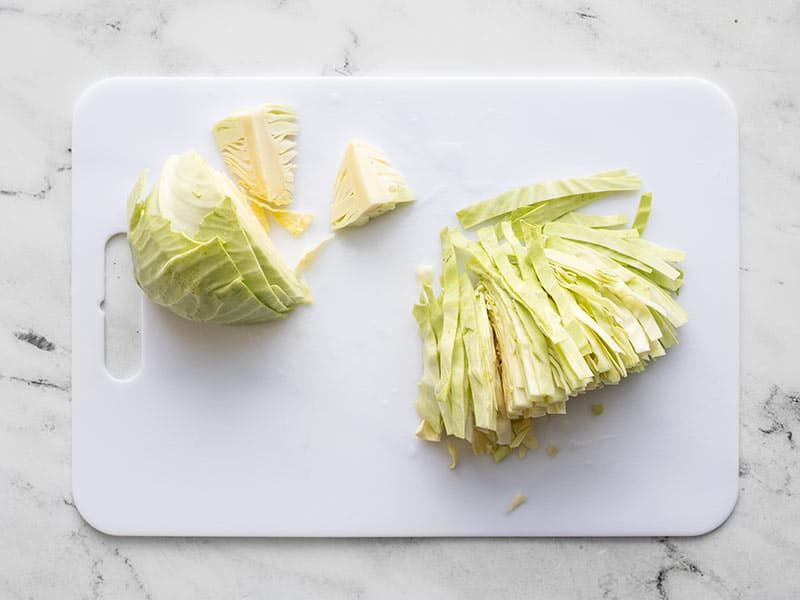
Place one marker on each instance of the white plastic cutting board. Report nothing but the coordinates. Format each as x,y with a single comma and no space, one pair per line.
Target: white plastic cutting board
305,427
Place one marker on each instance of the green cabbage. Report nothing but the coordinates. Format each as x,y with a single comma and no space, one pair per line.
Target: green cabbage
366,186
258,148
642,212
427,312
550,303
200,251
516,501
570,194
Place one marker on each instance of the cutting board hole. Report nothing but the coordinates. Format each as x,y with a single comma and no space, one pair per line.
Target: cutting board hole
122,309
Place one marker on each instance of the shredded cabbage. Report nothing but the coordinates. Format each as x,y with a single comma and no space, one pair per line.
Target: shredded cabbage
550,303
577,190
516,501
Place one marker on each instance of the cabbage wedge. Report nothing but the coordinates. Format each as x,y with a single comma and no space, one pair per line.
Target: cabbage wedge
366,186
258,149
199,250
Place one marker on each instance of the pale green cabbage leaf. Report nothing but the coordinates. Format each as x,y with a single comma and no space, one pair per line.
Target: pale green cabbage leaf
572,193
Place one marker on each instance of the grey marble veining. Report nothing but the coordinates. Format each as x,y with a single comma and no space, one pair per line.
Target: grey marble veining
50,51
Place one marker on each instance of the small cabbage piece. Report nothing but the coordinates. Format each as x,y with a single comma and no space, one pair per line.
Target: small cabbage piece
310,255
642,212
453,452
366,186
547,303
428,313
258,148
516,501
199,250
293,221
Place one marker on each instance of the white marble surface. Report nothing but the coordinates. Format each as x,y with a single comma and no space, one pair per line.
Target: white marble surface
50,51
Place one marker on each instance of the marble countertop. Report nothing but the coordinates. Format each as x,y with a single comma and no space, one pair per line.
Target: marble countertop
52,50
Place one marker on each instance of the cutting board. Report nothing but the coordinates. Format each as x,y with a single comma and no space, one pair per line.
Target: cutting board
306,427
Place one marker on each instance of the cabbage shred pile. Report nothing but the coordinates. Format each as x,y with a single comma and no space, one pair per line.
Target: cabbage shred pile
550,303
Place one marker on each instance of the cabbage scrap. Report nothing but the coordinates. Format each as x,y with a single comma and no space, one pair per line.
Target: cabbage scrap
550,303
366,186
642,212
293,221
516,501
199,250
452,450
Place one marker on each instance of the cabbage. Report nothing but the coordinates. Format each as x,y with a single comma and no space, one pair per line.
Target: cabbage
550,303
516,501
427,312
199,250
366,186
572,193
448,341
258,148
452,450
642,213
480,355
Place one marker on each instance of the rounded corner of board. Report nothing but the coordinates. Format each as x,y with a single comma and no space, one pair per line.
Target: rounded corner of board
95,89
718,518
86,513
716,92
